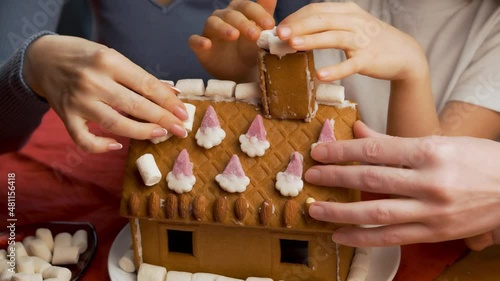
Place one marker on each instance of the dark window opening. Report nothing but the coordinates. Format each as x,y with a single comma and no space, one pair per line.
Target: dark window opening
294,251
180,241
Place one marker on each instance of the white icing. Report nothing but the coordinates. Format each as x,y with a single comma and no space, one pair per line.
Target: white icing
232,183
138,239
180,183
253,146
209,137
269,40
289,185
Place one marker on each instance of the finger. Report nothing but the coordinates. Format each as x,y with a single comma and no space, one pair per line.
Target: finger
390,151
334,9
140,81
361,130
131,103
374,212
110,120
317,23
245,26
481,241
323,40
342,70
261,12
199,43
217,28
384,236
79,132
374,179
269,6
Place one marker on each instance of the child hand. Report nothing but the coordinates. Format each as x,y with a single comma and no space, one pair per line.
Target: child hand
227,47
372,47
87,82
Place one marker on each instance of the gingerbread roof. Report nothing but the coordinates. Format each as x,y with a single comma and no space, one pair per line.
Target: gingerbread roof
260,205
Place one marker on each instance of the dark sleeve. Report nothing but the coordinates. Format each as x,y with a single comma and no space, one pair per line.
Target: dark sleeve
21,110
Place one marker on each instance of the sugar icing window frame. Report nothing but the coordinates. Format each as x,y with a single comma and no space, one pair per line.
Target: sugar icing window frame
177,256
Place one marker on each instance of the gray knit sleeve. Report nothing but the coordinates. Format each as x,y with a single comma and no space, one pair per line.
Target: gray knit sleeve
21,110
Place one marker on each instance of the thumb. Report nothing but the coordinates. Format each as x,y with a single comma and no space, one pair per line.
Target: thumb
361,130
268,5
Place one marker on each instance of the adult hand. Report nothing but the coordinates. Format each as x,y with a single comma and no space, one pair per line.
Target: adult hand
84,81
372,47
448,189
227,47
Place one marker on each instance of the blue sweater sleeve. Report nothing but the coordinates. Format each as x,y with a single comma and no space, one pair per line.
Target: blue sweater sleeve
21,110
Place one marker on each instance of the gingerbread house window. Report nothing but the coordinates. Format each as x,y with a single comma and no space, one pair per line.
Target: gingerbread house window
180,241
294,251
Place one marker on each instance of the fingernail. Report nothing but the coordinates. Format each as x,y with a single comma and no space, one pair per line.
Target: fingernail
267,23
181,113
319,153
284,32
317,211
297,41
312,175
159,132
251,32
179,131
323,74
115,146
177,90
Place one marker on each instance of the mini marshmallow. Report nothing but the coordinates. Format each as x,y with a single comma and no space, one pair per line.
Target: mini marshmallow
46,236
204,277
224,278
265,35
258,279
40,249
63,239
27,277
191,87
149,272
148,169
3,265
61,273
170,82
191,110
20,249
329,93
3,255
6,275
26,242
126,262
247,91
40,264
157,140
65,255
220,89
360,264
79,240
25,265
179,276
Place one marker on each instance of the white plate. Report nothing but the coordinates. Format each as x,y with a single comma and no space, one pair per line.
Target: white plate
385,261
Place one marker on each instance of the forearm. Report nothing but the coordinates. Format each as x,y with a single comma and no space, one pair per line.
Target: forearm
21,110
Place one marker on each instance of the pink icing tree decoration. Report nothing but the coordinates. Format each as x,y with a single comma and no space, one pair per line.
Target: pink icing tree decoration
289,182
233,179
254,142
210,133
327,132
181,178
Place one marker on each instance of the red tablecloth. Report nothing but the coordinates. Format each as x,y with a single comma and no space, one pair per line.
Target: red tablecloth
57,181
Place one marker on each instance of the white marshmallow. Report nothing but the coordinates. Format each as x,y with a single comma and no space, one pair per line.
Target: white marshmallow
224,278
40,249
258,279
149,272
204,277
26,242
179,276
46,236
3,265
27,277
191,87
126,262
6,275
157,140
170,82
220,89
20,250
63,239
328,93
65,255
3,254
265,35
25,265
79,239
191,110
148,169
61,273
360,264
247,91
40,264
